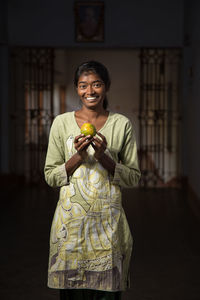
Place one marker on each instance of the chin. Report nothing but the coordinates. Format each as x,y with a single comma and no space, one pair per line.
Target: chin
94,104
97,106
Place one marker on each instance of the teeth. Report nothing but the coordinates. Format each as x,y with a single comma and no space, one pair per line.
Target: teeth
91,98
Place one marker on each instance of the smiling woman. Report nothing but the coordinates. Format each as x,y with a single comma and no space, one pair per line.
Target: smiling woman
91,89
90,243
94,68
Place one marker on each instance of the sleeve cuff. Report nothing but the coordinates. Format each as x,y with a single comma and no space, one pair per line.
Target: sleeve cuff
118,171
62,174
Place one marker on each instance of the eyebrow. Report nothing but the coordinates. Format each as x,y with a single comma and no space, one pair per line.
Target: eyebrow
92,81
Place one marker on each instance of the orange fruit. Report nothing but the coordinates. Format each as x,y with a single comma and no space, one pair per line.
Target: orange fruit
88,129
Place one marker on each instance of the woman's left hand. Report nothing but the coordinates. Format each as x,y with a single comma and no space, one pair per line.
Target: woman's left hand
99,145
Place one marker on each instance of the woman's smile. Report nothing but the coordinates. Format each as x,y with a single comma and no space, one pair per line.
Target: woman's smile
91,89
91,99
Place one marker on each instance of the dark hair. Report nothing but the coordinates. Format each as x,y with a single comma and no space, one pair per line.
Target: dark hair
97,68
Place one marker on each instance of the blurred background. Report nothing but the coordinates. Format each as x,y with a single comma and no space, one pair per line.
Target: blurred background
152,51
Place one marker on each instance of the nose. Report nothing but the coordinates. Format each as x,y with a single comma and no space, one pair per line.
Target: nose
90,89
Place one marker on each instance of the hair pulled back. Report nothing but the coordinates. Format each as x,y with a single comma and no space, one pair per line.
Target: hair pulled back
97,68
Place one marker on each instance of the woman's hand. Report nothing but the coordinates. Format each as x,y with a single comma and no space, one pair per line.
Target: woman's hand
81,143
99,145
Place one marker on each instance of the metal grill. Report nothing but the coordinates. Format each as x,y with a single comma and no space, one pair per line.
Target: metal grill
159,119
32,109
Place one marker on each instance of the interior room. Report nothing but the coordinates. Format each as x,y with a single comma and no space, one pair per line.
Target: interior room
151,49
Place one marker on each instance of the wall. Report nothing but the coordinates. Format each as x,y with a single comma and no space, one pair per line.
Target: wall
127,23
4,78
3,21
192,103
123,66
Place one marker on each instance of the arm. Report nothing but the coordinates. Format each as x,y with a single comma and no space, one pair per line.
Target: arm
108,163
57,171
126,173
54,170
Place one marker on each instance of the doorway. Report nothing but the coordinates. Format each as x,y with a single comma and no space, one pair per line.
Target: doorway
145,87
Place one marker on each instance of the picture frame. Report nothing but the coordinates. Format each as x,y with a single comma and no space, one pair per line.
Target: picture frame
89,21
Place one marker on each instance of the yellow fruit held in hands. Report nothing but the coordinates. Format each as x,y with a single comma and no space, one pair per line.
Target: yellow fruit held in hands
88,129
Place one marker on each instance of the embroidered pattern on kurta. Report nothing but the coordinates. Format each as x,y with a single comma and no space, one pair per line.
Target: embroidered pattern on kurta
90,243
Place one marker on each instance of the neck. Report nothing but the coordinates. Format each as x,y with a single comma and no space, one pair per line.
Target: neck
92,114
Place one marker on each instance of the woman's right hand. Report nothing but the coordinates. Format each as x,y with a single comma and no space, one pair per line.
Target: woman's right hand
81,143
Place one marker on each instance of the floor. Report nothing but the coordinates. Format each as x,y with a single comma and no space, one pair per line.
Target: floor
166,257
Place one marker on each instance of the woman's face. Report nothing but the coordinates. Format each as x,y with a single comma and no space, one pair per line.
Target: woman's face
91,90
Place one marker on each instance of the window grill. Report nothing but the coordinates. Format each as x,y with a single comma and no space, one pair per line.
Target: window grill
159,118
32,76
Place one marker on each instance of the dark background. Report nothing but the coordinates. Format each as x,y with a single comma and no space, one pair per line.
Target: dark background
164,222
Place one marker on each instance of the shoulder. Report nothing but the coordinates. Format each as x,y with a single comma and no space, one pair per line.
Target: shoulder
65,117
63,120
119,119
62,123
122,125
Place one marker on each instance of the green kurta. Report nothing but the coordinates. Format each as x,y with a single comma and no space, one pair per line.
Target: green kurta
90,242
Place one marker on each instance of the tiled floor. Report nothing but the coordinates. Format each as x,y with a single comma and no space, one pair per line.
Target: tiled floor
166,257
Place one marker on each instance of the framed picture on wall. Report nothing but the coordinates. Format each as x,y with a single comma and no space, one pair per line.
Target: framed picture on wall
89,21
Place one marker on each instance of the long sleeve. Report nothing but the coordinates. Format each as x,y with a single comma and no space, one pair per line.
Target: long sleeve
127,173
54,170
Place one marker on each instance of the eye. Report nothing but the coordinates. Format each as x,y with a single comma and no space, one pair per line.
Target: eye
82,86
97,85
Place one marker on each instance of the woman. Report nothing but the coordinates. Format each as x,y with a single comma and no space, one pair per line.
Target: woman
90,243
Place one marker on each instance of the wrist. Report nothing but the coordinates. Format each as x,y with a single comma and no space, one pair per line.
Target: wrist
80,158
99,157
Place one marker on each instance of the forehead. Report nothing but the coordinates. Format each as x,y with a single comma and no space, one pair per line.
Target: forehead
89,76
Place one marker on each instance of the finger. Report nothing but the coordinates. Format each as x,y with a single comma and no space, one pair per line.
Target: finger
81,146
103,137
94,146
100,142
97,142
78,137
99,150
84,143
81,139
98,146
